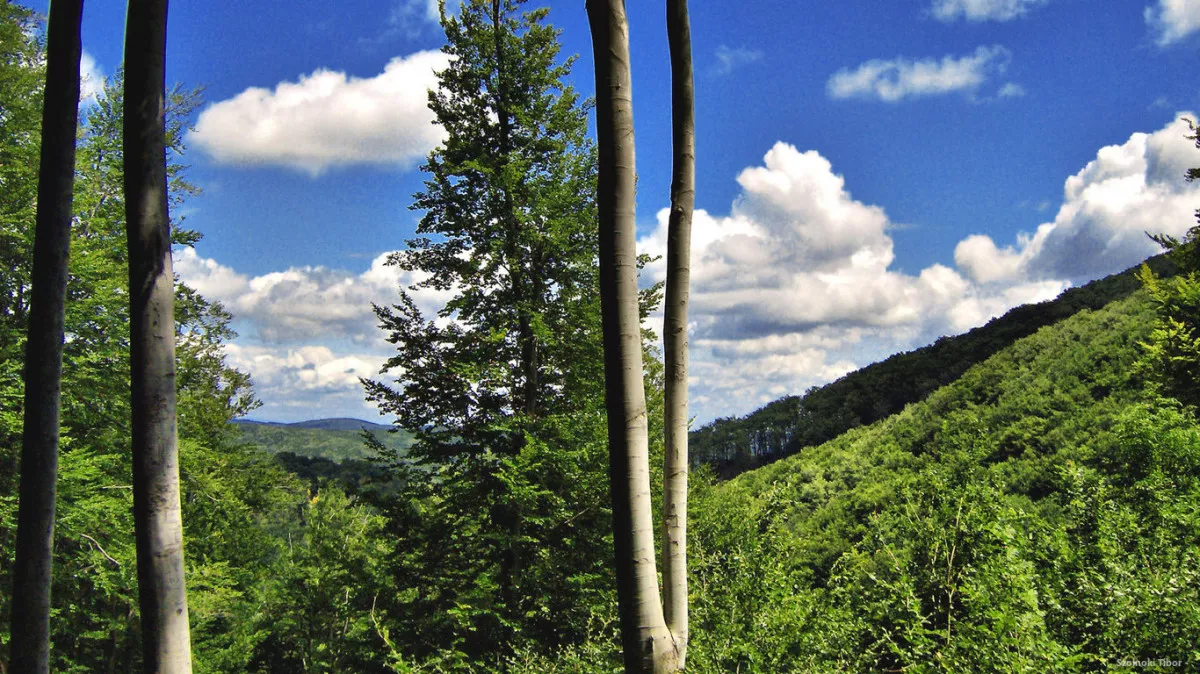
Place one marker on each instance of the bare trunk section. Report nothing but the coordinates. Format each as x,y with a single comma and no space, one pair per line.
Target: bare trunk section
161,592
30,643
675,341
645,639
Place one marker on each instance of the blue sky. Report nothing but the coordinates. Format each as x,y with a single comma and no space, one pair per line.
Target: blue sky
870,175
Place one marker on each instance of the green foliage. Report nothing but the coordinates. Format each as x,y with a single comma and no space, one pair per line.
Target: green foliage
239,508
1172,351
1039,514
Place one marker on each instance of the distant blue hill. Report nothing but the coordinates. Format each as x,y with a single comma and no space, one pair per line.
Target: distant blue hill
334,439
335,424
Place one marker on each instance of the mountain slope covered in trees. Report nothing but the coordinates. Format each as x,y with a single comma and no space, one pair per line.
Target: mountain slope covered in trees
783,427
1038,514
333,439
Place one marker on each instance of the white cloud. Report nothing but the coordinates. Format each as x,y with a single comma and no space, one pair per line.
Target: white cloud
312,368
978,256
91,79
1173,20
794,287
729,59
901,78
328,119
982,10
300,303
1108,207
307,333
306,382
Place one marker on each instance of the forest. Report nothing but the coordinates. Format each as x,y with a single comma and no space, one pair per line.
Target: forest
1024,497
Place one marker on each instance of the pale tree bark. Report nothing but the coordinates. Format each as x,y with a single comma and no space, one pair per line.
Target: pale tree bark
675,320
30,643
161,593
646,641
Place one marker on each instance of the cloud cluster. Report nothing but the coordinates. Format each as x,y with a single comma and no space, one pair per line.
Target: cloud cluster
307,333
328,119
1127,191
794,287
304,382
1173,20
900,78
296,304
982,10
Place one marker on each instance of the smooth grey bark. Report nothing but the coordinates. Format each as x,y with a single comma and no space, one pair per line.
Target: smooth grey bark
646,642
675,320
162,595
30,629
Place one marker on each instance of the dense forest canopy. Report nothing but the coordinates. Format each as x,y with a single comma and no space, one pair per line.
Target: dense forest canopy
1021,498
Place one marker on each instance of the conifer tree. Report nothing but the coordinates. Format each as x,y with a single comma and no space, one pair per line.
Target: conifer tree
502,388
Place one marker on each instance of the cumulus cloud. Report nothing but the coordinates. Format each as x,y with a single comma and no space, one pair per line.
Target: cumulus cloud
794,287
791,288
328,119
1173,20
312,369
307,333
730,59
1108,207
305,382
977,11
299,303
91,79
900,78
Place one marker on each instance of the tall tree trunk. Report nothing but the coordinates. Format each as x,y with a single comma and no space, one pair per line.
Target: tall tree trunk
646,642
30,643
675,341
161,592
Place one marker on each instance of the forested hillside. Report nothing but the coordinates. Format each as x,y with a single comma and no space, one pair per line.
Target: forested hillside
321,439
1039,514
781,428
1021,498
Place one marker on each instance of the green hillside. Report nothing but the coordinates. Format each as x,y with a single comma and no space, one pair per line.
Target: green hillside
1041,513
304,439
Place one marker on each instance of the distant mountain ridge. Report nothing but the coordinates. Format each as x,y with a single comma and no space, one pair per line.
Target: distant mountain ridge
329,424
336,439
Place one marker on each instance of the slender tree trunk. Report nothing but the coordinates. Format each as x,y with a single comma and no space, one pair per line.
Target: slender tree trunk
646,642
30,643
161,592
675,341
